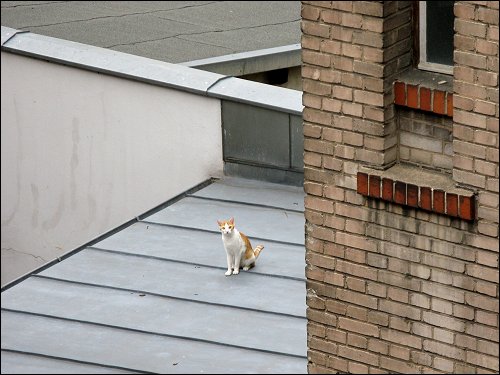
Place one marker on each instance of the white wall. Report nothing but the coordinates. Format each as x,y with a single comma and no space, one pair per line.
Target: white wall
83,152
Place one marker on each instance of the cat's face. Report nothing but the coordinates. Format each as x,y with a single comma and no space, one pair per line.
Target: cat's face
226,226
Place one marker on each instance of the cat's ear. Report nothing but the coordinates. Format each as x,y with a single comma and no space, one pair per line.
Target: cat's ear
231,221
219,222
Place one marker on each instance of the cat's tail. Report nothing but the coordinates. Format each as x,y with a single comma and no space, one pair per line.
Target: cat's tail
257,251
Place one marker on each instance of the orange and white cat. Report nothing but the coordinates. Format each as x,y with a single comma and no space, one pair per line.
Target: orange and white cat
238,248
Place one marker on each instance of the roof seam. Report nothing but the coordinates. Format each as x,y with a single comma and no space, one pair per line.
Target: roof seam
167,296
75,360
17,32
153,333
216,82
246,203
96,248
217,232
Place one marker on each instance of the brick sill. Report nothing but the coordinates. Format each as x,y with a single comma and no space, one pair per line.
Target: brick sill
417,188
431,92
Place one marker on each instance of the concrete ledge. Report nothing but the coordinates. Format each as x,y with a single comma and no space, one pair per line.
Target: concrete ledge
150,71
239,64
431,92
433,81
108,61
414,187
272,97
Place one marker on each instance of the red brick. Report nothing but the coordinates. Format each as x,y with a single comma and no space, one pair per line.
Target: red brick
387,189
374,184
412,195
426,198
451,204
399,93
438,201
467,207
425,99
438,104
362,183
449,104
412,96
400,194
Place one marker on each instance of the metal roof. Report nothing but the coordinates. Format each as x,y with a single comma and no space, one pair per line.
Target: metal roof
153,297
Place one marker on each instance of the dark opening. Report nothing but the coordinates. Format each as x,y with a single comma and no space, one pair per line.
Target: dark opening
277,77
439,32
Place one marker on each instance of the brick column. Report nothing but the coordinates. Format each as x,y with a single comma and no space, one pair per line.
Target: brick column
475,128
351,53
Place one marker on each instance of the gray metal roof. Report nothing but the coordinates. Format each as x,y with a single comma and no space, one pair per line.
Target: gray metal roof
153,297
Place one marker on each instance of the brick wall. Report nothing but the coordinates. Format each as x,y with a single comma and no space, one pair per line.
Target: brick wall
399,285
475,130
425,139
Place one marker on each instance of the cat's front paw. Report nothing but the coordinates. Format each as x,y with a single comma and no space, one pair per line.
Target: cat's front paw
235,272
228,273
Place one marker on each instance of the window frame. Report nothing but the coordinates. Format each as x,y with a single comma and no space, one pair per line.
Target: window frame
423,64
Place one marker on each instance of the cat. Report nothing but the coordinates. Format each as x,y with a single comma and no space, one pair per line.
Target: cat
239,251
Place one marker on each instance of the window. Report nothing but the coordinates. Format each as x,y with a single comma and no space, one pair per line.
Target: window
436,36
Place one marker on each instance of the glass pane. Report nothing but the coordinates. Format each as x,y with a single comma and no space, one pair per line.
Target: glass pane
440,32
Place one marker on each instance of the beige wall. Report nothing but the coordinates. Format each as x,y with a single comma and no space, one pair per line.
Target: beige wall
84,152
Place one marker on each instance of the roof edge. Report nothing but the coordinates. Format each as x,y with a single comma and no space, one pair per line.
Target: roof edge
251,62
148,70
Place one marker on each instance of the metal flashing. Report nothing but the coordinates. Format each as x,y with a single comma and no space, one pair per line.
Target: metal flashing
8,34
111,62
262,60
151,71
258,94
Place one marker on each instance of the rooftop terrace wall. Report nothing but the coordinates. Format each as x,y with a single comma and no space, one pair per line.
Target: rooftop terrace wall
92,138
